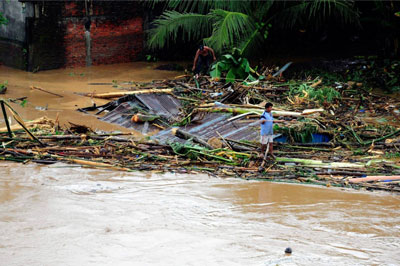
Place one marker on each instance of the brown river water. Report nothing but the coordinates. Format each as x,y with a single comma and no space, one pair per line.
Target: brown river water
68,215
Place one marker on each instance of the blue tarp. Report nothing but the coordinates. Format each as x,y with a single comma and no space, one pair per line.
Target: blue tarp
316,138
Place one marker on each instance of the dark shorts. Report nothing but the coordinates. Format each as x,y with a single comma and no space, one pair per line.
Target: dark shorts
203,64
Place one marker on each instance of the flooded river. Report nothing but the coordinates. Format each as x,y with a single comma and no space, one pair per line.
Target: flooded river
61,215
67,215
69,82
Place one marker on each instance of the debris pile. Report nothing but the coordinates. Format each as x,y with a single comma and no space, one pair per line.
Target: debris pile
335,134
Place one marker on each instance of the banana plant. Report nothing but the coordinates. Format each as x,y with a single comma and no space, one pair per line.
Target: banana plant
234,67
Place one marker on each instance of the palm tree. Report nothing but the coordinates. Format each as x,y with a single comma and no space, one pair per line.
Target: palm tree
227,24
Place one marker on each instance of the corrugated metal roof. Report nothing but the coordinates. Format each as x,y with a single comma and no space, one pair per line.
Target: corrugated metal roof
122,116
159,104
204,125
210,124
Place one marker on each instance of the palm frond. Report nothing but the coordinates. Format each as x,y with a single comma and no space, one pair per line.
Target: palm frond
202,6
229,28
167,4
171,23
318,11
251,43
261,9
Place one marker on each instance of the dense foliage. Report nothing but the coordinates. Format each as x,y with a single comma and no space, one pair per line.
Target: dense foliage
243,24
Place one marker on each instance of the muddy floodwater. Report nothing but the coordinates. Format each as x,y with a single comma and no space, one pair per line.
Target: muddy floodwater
60,215
68,83
68,215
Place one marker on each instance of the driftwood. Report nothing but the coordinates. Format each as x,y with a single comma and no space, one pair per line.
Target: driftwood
49,92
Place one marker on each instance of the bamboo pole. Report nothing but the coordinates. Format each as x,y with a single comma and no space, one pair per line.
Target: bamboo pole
111,95
237,110
373,178
21,123
49,92
319,163
6,119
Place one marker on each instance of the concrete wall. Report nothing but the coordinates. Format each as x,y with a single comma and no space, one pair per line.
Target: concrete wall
13,50
15,12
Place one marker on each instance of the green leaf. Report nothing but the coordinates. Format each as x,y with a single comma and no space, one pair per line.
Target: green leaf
245,65
229,27
230,77
230,59
222,66
23,103
214,73
251,78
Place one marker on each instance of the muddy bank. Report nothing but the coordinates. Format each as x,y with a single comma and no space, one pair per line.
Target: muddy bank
67,82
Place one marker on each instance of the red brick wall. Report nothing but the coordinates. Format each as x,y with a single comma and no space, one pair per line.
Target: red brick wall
116,42
74,43
116,33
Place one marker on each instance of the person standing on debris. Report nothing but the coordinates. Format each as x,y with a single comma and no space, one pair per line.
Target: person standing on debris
267,131
202,60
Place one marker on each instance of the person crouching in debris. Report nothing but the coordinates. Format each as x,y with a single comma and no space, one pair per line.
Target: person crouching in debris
267,131
202,60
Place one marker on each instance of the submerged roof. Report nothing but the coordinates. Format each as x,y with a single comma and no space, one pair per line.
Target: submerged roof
163,105
212,124
204,125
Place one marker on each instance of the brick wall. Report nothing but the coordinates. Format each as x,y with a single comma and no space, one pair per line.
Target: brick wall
51,34
116,33
116,41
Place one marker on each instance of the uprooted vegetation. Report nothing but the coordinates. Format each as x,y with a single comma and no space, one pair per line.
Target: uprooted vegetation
335,133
